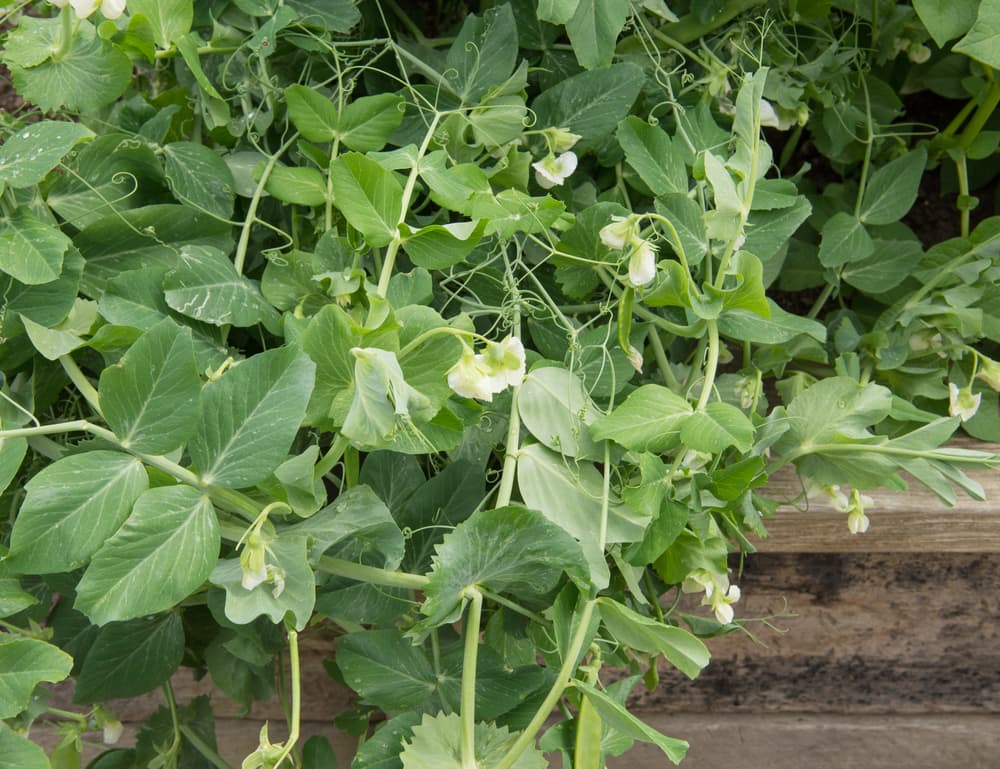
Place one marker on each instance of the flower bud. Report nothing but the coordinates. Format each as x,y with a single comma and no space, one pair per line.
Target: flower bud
642,264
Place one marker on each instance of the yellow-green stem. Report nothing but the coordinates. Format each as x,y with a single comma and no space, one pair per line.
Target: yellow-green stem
469,659
293,727
711,365
411,181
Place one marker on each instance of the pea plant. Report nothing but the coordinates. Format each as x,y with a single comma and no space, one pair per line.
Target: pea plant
471,339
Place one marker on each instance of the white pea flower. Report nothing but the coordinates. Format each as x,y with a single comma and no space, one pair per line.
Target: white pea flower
722,605
719,594
768,116
253,561
482,375
112,731
838,499
962,403
507,361
620,232
642,264
553,170
110,9
857,521
471,377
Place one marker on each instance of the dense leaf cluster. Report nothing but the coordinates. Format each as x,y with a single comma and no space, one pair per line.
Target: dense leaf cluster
477,351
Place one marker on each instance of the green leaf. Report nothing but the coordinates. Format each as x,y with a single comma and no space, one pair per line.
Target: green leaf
689,221
556,11
364,125
616,717
890,263
982,42
302,186
151,397
72,506
205,285
170,19
90,75
386,669
328,340
130,658
484,53
145,238
591,103
781,327
12,451
718,427
298,483
570,496
650,152
29,154
112,173
24,663
893,188
769,231
47,304
649,419
382,749
749,291
593,30
250,416
370,197
18,752
163,553
439,246
508,549
685,652
946,19
199,177
385,405
31,250
844,239
360,516
334,15
435,743
557,410
295,596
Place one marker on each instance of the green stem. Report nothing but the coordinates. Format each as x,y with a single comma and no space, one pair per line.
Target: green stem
77,425
204,748
869,144
168,692
331,457
328,213
661,360
370,574
980,458
411,182
241,248
711,365
81,382
563,679
69,714
513,434
514,607
983,113
469,659
67,28
828,289
962,170
293,729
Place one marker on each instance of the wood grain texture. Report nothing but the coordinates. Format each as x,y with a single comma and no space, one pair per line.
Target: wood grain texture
804,741
898,633
914,521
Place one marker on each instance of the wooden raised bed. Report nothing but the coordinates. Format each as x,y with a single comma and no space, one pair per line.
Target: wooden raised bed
891,660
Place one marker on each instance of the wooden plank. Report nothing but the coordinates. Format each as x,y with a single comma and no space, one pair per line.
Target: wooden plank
872,633
914,521
796,741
